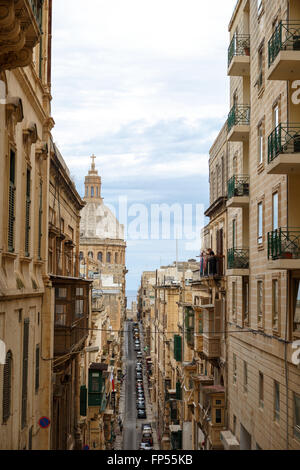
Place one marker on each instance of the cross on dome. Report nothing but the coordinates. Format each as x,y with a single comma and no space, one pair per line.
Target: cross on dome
93,157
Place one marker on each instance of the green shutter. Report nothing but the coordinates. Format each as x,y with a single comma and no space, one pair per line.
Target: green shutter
177,348
27,214
11,202
83,400
25,372
95,388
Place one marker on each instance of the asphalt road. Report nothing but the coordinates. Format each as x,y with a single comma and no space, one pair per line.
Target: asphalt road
129,423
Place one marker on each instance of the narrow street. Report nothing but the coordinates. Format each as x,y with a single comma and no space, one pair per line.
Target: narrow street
129,420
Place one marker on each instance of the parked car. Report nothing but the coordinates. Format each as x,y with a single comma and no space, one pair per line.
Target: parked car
141,406
147,437
139,375
145,446
141,414
146,427
139,354
137,348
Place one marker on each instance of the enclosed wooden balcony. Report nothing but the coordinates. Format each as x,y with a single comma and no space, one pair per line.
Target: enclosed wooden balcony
238,262
71,313
239,56
238,191
284,150
238,123
284,52
212,330
284,248
212,413
20,32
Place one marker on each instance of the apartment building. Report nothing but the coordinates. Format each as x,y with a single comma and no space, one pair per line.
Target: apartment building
26,123
263,380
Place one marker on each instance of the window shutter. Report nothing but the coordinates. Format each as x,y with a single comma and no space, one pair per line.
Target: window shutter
37,367
177,348
178,391
40,221
27,215
83,400
25,372
7,387
11,203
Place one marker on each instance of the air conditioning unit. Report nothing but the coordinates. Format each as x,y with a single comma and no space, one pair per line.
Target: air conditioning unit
229,441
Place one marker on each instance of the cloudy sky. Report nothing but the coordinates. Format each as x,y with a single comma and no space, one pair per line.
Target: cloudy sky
141,84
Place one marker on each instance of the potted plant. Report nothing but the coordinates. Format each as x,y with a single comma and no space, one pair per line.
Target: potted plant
246,47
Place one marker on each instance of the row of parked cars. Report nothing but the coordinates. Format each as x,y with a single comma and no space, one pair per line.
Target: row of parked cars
147,437
140,393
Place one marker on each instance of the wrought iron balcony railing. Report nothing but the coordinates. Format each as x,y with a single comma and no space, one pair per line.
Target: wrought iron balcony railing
285,138
238,115
211,265
239,45
238,185
284,243
286,37
238,258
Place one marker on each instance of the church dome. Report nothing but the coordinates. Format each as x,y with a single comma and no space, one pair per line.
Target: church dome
97,220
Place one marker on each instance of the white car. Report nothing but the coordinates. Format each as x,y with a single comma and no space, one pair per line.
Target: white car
145,446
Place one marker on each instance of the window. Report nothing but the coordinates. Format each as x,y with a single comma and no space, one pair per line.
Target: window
37,367
233,233
40,221
276,116
7,387
260,144
296,305
297,416
234,424
234,165
275,302
81,256
234,369
60,315
234,300
11,203
108,257
25,372
27,214
90,254
260,223
245,377
260,303
116,258
260,68
276,401
92,191
275,211
218,415
261,390
246,299
99,256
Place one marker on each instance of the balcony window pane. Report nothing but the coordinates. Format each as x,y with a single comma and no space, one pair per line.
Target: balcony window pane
60,315
60,293
260,223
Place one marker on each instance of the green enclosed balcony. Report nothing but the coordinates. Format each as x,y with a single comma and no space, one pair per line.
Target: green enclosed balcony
239,56
284,150
283,52
238,123
238,261
284,248
238,191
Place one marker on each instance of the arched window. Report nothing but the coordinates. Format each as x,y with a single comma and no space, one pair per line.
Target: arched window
92,191
7,378
97,194
91,254
108,257
81,256
99,256
116,258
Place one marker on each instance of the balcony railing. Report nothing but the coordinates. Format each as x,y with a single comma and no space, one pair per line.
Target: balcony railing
211,266
238,185
238,115
286,37
285,138
239,46
238,258
284,243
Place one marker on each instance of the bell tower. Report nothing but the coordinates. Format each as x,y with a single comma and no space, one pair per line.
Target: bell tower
92,184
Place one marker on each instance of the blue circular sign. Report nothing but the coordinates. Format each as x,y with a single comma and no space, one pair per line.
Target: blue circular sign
86,447
44,422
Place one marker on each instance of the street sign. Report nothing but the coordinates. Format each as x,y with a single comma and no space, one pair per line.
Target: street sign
86,447
44,422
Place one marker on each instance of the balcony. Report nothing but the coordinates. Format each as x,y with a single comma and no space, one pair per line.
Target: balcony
238,191
238,123
211,266
284,150
284,52
198,342
20,32
212,330
239,56
71,314
212,413
284,248
238,262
